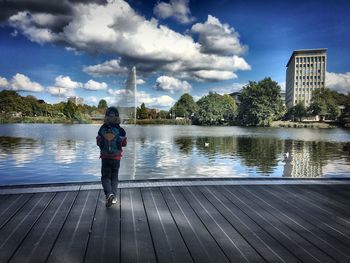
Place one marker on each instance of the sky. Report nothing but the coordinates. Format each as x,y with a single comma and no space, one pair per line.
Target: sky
56,49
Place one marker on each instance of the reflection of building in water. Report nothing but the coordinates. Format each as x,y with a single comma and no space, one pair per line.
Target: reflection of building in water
298,161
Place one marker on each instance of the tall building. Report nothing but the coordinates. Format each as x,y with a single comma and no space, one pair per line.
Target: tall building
76,100
306,72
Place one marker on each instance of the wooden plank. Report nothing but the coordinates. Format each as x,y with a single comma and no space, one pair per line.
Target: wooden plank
169,245
330,198
319,239
13,233
270,249
235,247
104,241
302,249
200,243
40,240
299,208
136,244
339,223
10,206
71,243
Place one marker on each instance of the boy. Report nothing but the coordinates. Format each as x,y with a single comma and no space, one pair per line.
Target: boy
111,138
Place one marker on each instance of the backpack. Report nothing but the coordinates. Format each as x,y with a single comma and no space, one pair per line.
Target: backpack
110,141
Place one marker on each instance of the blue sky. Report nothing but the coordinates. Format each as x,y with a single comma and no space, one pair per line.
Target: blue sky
177,46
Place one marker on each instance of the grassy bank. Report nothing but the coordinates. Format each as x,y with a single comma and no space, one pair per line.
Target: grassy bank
40,119
162,122
290,124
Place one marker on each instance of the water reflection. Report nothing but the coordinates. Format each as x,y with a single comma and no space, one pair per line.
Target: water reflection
172,152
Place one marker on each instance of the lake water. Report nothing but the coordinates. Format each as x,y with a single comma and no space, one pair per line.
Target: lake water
43,153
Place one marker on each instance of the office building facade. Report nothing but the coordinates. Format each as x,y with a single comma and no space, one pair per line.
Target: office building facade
306,72
76,100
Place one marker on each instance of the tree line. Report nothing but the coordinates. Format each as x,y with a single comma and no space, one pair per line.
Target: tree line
260,104
14,107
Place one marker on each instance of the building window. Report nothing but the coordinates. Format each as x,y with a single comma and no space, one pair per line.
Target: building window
323,59
303,77
303,83
296,83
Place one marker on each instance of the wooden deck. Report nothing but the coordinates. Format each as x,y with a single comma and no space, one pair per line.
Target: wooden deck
228,223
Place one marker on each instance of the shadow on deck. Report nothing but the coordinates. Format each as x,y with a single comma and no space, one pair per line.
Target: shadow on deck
206,223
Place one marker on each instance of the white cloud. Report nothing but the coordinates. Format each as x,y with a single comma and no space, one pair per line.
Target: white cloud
108,68
91,99
21,82
115,28
218,38
283,86
120,97
338,81
215,75
67,83
235,87
170,84
3,82
94,85
59,91
64,86
178,9
28,24
140,82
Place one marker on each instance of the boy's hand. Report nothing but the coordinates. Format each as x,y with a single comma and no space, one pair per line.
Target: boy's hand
124,141
98,140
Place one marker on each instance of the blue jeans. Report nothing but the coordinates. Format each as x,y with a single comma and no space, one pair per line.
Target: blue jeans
109,178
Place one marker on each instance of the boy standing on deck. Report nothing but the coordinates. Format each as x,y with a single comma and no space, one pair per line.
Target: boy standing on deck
111,138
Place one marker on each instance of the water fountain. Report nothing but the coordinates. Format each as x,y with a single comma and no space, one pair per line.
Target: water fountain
127,102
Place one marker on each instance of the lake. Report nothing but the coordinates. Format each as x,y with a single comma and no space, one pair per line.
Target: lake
48,153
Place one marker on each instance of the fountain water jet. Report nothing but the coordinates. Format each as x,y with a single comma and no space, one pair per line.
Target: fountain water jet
127,102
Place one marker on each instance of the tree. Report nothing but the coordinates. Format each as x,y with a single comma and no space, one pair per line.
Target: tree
70,110
163,114
324,103
260,103
299,111
215,109
142,112
185,106
102,104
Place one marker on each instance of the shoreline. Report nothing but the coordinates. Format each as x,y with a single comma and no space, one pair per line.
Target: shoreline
275,124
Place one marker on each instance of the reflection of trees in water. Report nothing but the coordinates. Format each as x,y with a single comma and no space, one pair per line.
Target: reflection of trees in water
261,153
10,144
346,151
212,146
322,152
185,144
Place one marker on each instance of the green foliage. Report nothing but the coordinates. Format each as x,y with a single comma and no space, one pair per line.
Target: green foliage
260,103
324,103
185,106
102,104
15,108
163,114
141,112
299,111
215,109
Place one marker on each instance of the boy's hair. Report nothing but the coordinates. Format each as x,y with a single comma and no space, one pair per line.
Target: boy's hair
112,116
